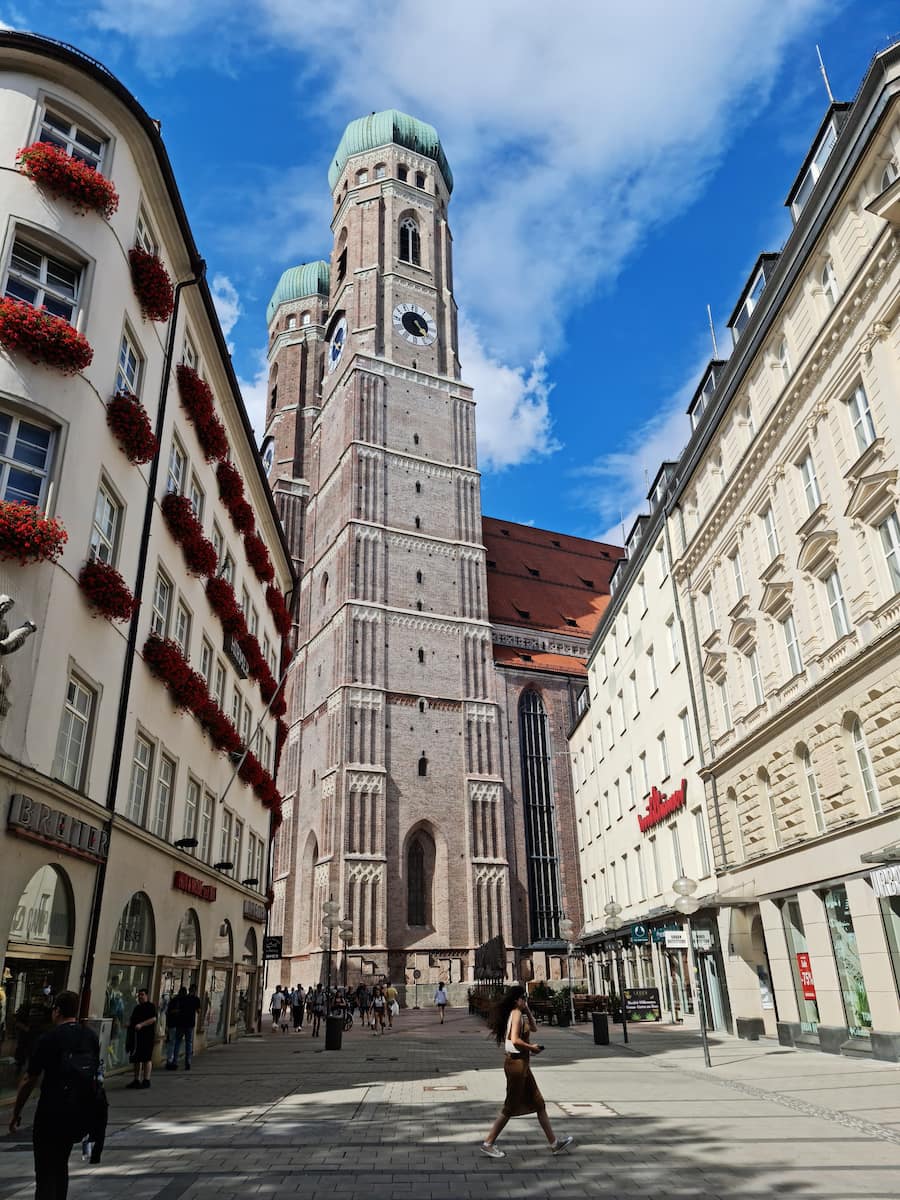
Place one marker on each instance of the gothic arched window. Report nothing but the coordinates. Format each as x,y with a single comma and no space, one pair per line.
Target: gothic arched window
415,868
409,241
540,818
423,766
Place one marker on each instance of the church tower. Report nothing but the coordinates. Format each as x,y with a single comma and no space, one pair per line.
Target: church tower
391,775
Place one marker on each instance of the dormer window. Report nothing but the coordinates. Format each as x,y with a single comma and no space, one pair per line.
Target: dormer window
814,170
752,299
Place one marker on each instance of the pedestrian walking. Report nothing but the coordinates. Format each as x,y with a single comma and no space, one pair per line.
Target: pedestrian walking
67,1062
440,999
184,1024
276,1004
284,1017
379,1004
298,999
318,1009
362,1002
512,1025
140,1038
393,1008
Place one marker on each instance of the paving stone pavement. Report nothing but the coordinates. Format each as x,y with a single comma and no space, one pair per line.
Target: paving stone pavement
402,1116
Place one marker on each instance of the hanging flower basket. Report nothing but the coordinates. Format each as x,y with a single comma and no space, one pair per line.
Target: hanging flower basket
42,337
258,557
130,424
231,490
84,187
199,552
152,284
199,405
27,535
166,661
251,770
224,604
222,732
279,610
106,591
278,707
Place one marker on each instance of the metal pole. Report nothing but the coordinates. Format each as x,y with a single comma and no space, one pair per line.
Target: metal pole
620,974
571,997
698,976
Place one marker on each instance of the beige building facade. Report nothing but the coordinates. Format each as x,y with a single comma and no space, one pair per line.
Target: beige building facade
785,529
133,856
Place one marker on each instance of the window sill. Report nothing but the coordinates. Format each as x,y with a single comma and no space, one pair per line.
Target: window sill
655,690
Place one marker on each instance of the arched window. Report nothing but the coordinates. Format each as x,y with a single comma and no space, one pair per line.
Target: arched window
292,322
422,706
829,283
540,818
419,605
44,914
418,522
324,589
410,250
418,576
415,867
423,766
305,318
418,487
812,787
421,655
135,932
864,762
362,177
402,172
187,940
766,788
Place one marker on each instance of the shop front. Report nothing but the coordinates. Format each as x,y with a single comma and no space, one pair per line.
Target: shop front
131,967
244,1003
181,969
214,1013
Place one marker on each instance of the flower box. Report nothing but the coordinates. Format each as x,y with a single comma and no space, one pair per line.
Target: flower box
106,591
165,660
84,187
199,405
224,604
152,284
42,337
231,490
27,535
130,425
199,552
258,557
222,732
279,610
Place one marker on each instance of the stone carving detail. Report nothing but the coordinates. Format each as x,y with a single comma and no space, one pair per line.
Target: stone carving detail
10,641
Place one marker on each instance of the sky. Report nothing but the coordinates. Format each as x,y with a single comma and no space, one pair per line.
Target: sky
618,167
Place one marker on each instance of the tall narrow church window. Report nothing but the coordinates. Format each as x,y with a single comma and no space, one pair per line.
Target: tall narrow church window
540,818
380,171
305,319
273,396
402,171
409,241
420,179
423,766
342,265
418,576
324,596
418,487
415,439
421,655
419,605
418,522
415,876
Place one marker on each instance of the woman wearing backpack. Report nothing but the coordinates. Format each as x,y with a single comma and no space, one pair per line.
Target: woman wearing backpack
141,1036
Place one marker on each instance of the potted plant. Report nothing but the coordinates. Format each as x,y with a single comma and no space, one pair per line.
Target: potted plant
562,1007
81,184
42,337
27,535
152,284
130,425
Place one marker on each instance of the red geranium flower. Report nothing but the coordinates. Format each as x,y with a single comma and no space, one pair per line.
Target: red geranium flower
27,535
199,552
106,590
42,337
258,557
221,729
279,610
127,418
224,604
152,284
166,661
199,405
83,185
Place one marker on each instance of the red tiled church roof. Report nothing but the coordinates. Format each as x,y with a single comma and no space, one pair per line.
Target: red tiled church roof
535,660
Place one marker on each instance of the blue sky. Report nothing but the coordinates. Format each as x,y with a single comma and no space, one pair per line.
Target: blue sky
616,171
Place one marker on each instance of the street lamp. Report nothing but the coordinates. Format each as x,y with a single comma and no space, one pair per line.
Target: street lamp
687,904
345,933
330,920
567,932
613,925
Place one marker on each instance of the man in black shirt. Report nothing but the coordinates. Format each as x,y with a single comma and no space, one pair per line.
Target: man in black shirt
185,1024
60,1056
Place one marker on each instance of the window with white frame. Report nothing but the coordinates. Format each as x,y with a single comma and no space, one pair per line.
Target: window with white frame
641,877
255,851
734,810
165,786
605,811
362,177
237,844
712,623
598,740
237,707
105,526
617,794
632,797
810,483
43,280
677,860
75,728
662,561
626,621
725,705
645,773
755,677
626,881
189,353
687,741
614,643
182,629
246,717
613,880
139,783
218,542
227,571
253,623
635,698
889,531
766,786
836,603
768,521
829,283
26,452
657,866
205,830
738,572
861,418
206,662
191,810
219,687
623,724
814,170
663,745
225,835
642,594
611,728
197,497
792,645
245,603
674,647
864,762
812,790
161,609
783,360
73,136
177,468
652,680
749,420
129,365
603,669
143,234
268,760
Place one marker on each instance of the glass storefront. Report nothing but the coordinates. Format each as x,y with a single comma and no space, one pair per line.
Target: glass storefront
218,987
183,968
35,967
130,969
849,965
890,915
243,1008
798,952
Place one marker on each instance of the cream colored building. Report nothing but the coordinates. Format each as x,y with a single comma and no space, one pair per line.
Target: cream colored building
786,532
168,915
635,758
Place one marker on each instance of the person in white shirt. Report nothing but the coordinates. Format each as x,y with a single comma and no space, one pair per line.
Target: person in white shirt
440,999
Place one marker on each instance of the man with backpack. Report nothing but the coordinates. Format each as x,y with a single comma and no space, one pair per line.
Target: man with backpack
67,1062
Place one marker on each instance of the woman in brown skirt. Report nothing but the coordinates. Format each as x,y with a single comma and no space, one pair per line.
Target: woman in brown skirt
511,1024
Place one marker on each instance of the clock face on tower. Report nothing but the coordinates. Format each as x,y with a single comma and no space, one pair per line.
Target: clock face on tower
415,324
268,456
336,345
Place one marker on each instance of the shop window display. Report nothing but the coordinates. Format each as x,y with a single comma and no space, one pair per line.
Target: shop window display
849,965
130,970
182,969
798,951
244,1003
890,914
218,986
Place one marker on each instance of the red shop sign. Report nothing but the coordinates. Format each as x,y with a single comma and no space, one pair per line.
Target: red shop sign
806,976
193,886
660,806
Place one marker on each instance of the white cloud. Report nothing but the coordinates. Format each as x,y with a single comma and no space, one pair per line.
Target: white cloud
255,391
227,302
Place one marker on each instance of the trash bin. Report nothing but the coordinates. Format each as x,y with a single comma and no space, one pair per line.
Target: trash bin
601,1029
334,1032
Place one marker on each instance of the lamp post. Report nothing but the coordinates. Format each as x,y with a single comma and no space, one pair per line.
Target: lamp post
331,921
687,904
566,931
613,925
345,933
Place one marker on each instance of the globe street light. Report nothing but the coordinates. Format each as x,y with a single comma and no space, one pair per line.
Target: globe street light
687,904
567,932
613,924
345,933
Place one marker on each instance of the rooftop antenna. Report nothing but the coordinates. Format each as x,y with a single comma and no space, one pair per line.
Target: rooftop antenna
825,76
712,332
